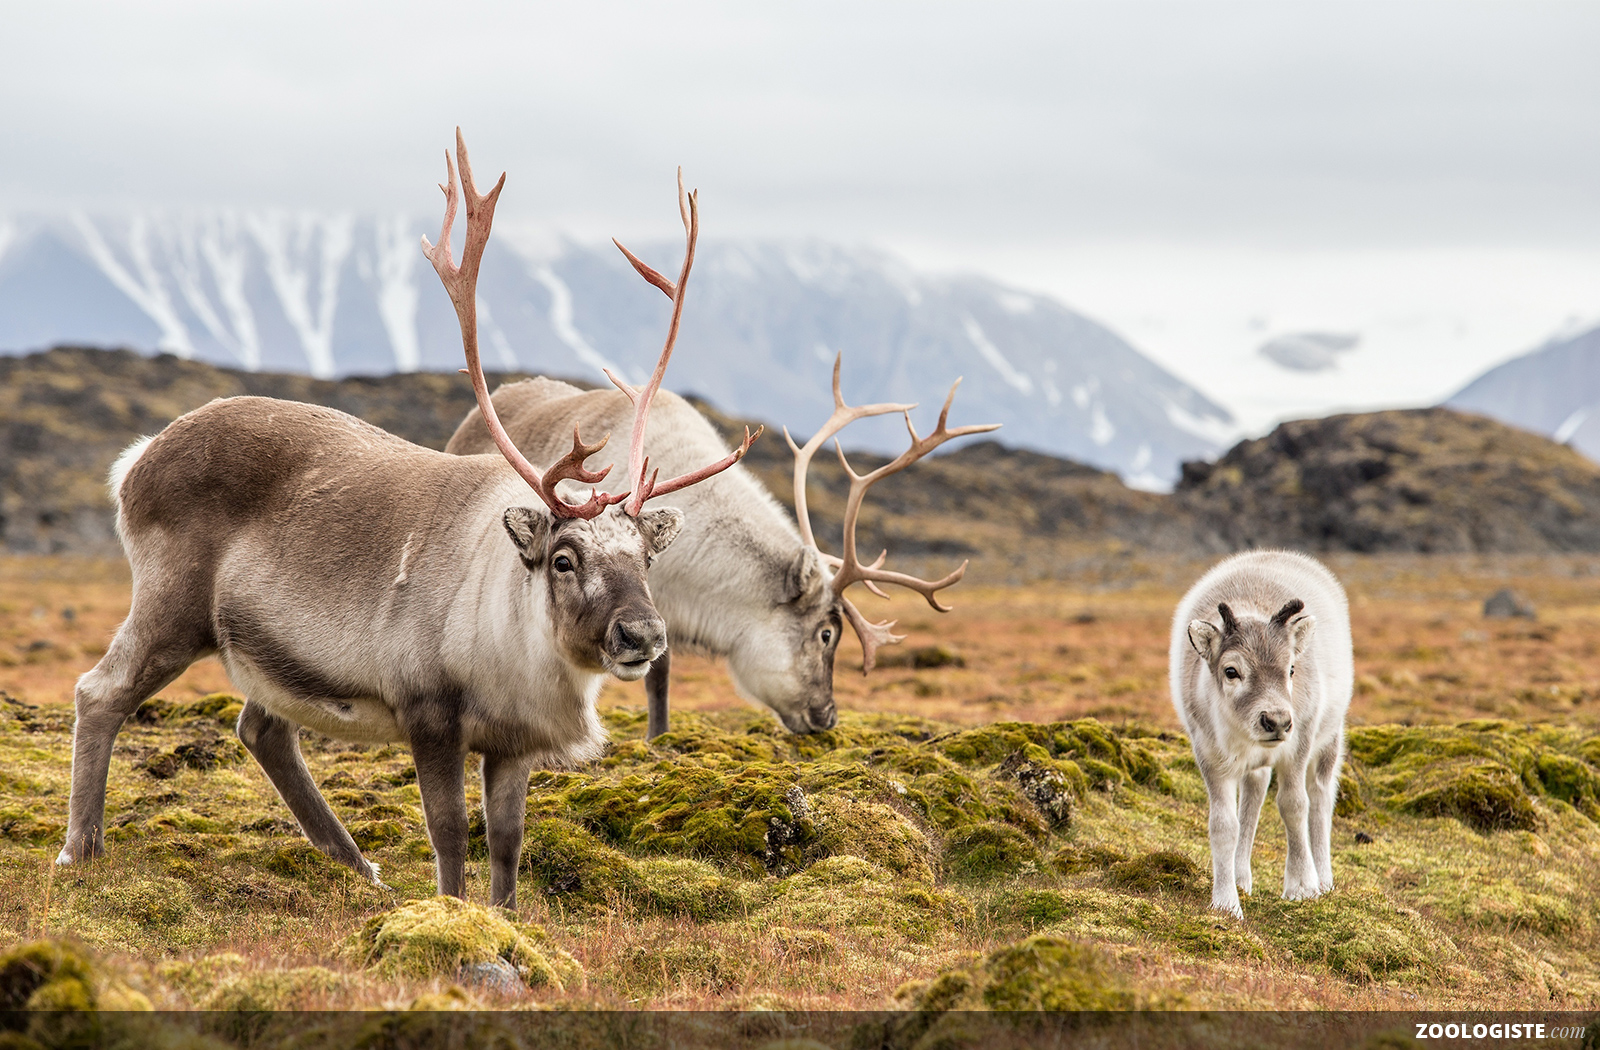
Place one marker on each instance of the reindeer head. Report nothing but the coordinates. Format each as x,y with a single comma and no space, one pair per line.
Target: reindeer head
812,610
594,556
1252,665
783,659
594,571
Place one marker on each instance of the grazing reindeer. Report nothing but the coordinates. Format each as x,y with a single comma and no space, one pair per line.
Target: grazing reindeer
374,590
1265,688
741,581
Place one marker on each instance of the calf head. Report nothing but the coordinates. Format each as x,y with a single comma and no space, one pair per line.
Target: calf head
784,657
594,571
1251,661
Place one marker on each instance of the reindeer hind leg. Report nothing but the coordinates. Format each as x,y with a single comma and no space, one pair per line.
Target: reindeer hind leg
153,646
275,744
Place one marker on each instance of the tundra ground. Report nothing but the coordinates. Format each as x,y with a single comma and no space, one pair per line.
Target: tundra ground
1006,815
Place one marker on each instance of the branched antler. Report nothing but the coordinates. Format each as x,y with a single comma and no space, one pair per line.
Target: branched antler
461,282
638,464
848,569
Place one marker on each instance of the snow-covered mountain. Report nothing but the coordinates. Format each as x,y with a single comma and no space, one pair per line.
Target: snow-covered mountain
1554,390
340,294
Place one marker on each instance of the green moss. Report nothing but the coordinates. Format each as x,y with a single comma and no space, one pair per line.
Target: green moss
24,824
376,834
1074,858
987,851
1029,907
874,832
1486,774
266,991
1481,795
436,937
1040,973
751,816
153,903
46,974
1161,870
1358,934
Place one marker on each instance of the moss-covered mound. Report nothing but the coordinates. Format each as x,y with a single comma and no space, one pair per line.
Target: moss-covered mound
1485,774
443,936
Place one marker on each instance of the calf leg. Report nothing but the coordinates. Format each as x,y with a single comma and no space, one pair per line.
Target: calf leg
1299,874
1223,793
1252,793
505,804
441,777
655,691
1323,792
275,743
152,647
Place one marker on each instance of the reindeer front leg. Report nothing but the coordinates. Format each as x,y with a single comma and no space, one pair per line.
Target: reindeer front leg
1252,793
1299,873
1223,793
441,778
505,805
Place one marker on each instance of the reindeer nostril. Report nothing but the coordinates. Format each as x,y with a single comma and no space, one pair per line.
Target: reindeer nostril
623,637
1275,724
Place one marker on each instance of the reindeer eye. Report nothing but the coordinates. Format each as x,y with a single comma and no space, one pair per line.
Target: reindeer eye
1291,672
1230,673
563,563
827,635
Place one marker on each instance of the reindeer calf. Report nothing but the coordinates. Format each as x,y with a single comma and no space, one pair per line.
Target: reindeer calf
1266,687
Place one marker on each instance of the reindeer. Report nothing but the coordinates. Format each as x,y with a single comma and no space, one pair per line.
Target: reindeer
374,590
742,581
1265,688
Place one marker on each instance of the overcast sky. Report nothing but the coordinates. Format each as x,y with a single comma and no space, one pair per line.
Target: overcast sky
1168,167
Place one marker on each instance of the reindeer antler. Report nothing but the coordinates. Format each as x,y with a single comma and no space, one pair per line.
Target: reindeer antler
849,569
638,464
461,282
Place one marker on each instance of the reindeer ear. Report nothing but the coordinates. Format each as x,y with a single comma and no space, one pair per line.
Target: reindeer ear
803,579
1206,639
1300,633
659,528
529,529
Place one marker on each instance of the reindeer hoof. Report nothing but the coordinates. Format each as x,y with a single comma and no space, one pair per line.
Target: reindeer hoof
1301,893
1229,908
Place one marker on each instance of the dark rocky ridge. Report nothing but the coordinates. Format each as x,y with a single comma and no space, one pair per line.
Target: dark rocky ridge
1429,480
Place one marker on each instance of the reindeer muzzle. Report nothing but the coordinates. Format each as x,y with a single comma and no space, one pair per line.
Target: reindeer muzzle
632,644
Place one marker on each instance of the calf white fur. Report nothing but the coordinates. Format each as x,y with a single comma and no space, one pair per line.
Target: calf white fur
1261,673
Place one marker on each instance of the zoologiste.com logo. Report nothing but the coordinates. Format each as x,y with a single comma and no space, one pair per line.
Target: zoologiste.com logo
1435,1030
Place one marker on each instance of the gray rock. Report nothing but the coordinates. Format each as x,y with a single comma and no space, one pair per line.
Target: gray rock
496,975
1506,603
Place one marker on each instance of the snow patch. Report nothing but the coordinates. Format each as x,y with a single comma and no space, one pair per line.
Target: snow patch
561,321
146,289
497,338
992,354
1101,430
8,235
397,289
280,238
1215,430
1570,425
1016,303
223,246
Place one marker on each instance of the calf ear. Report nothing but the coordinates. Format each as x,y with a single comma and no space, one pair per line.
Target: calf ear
803,577
529,529
1206,639
1300,634
659,528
